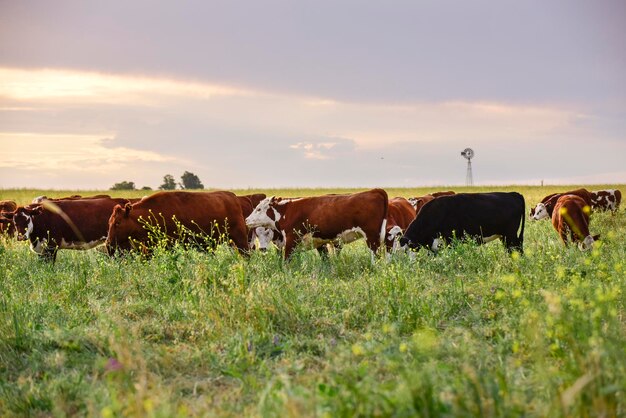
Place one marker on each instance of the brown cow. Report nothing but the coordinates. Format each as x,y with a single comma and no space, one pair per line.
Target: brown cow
571,218
544,209
319,220
609,199
76,224
399,216
206,216
419,202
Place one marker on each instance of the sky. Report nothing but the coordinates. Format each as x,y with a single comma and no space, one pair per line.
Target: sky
273,94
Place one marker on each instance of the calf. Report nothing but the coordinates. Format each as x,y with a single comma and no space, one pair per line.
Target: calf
399,216
207,218
337,218
609,199
76,224
482,216
571,218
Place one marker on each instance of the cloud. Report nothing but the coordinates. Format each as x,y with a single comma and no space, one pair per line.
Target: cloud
92,87
315,151
67,152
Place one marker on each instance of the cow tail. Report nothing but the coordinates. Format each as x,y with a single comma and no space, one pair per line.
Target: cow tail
520,237
383,226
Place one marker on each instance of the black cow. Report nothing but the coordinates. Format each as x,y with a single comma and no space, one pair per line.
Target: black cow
482,216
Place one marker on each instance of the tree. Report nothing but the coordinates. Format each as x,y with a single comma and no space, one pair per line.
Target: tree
168,183
190,181
146,188
124,185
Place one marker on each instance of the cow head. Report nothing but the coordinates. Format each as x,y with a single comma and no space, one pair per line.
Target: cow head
263,238
121,227
7,206
419,202
587,243
23,219
540,212
265,214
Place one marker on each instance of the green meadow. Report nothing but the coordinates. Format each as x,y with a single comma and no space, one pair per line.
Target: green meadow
470,332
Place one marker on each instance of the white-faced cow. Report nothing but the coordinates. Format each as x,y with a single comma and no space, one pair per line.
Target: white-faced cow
76,224
400,214
207,218
570,218
609,199
543,210
481,216
315,221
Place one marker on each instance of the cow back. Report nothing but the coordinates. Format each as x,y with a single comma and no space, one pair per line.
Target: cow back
74,220
335,213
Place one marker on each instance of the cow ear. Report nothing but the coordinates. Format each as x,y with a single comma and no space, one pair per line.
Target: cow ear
117,209
127,208
37,210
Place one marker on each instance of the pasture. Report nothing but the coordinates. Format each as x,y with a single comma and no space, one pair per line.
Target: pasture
471,331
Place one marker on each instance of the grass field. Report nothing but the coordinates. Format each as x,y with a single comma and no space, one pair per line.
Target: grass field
469,332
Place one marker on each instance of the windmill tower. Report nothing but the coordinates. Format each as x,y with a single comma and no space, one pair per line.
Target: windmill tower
468,153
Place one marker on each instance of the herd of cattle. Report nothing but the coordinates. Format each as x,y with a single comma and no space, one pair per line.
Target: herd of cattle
257,221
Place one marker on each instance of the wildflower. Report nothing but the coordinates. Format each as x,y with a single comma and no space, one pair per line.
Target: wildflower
357,350
113,365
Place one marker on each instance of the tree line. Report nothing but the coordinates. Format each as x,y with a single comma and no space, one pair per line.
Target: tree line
189,181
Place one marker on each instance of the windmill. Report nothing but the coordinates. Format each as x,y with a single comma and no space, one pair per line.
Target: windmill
469,154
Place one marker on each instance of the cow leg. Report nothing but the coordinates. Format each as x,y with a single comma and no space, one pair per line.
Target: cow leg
49,254
563,233
239,237
290,244
513,243
373,241
323,251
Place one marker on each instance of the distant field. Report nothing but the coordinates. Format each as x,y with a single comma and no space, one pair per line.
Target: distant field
471,331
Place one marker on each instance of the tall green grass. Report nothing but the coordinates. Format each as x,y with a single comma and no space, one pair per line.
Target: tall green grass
469,332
